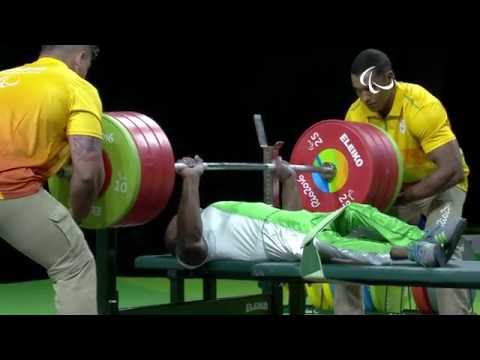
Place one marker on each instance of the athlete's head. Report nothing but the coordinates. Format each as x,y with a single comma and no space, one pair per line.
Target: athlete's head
373,80
77,57
171,234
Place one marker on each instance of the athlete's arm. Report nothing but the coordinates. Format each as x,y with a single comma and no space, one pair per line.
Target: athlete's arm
290,193
191,248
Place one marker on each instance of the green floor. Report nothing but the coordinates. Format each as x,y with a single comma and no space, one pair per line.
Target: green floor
36,298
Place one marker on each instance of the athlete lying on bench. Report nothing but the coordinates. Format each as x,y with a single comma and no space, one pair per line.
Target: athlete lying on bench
258,232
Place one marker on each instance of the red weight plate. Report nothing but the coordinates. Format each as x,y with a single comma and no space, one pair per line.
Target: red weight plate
391,171
334,141
151,197
387,170
164,180
142,139
398,170
379,159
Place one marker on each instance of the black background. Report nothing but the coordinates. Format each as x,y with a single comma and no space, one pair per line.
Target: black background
204,92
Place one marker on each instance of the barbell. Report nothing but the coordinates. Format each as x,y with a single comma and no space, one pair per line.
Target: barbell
327,171
337,162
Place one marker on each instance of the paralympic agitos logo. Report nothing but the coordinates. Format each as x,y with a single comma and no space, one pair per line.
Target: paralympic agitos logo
366,80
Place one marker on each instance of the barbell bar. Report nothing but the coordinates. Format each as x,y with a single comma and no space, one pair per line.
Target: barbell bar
327,171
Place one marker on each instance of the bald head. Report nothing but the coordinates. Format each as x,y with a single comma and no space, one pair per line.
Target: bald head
77,57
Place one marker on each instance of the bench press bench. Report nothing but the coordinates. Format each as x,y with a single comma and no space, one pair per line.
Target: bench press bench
271,302
272,275
403,273
465,274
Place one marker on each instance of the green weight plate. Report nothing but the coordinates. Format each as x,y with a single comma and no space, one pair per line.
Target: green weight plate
121,195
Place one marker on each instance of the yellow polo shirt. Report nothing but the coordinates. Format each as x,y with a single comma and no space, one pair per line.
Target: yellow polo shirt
41,104
418,123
